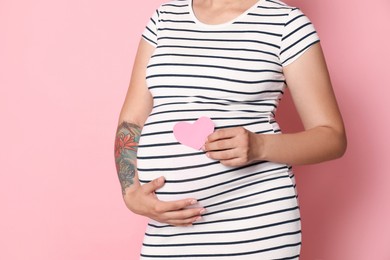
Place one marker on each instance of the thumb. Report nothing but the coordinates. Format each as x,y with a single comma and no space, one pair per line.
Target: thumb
154,185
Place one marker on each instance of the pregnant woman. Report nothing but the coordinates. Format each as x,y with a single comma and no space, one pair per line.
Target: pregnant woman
229,61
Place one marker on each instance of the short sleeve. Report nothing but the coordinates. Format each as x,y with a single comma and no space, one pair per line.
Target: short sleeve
298,35
150,31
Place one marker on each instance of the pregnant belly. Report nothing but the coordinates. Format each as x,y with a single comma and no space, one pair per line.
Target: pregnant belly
189,173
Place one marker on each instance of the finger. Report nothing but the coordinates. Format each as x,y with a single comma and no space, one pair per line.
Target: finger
167,206
219,145
222,155
221,134
153,185
234,162
185,222
181,215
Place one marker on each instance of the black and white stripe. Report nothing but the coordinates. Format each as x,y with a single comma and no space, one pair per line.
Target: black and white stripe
232,73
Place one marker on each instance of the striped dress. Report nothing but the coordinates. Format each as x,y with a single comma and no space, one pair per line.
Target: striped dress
233,74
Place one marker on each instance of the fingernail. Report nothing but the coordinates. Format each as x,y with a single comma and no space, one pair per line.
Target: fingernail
160,180
198,218
202,211
192,202
203,148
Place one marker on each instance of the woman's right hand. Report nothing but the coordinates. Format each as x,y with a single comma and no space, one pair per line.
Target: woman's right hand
142,200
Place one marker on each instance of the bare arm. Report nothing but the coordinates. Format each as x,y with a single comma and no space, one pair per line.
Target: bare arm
141,199
311,90
126,141
135,110
324,135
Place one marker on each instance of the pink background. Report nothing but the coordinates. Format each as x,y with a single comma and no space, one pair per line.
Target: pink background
64,71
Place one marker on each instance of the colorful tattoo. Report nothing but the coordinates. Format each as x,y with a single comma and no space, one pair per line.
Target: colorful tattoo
126,144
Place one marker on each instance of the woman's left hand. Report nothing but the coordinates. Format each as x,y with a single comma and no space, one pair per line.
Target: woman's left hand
233,146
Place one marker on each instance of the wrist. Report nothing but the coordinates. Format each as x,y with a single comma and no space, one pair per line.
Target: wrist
258,141
264,143
129,198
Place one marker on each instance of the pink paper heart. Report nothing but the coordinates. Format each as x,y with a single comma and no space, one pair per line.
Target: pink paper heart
193,135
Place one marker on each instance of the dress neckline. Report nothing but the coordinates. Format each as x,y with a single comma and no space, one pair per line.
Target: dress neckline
198,22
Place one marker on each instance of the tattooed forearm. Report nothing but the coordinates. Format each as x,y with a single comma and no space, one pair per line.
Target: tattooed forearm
126,144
